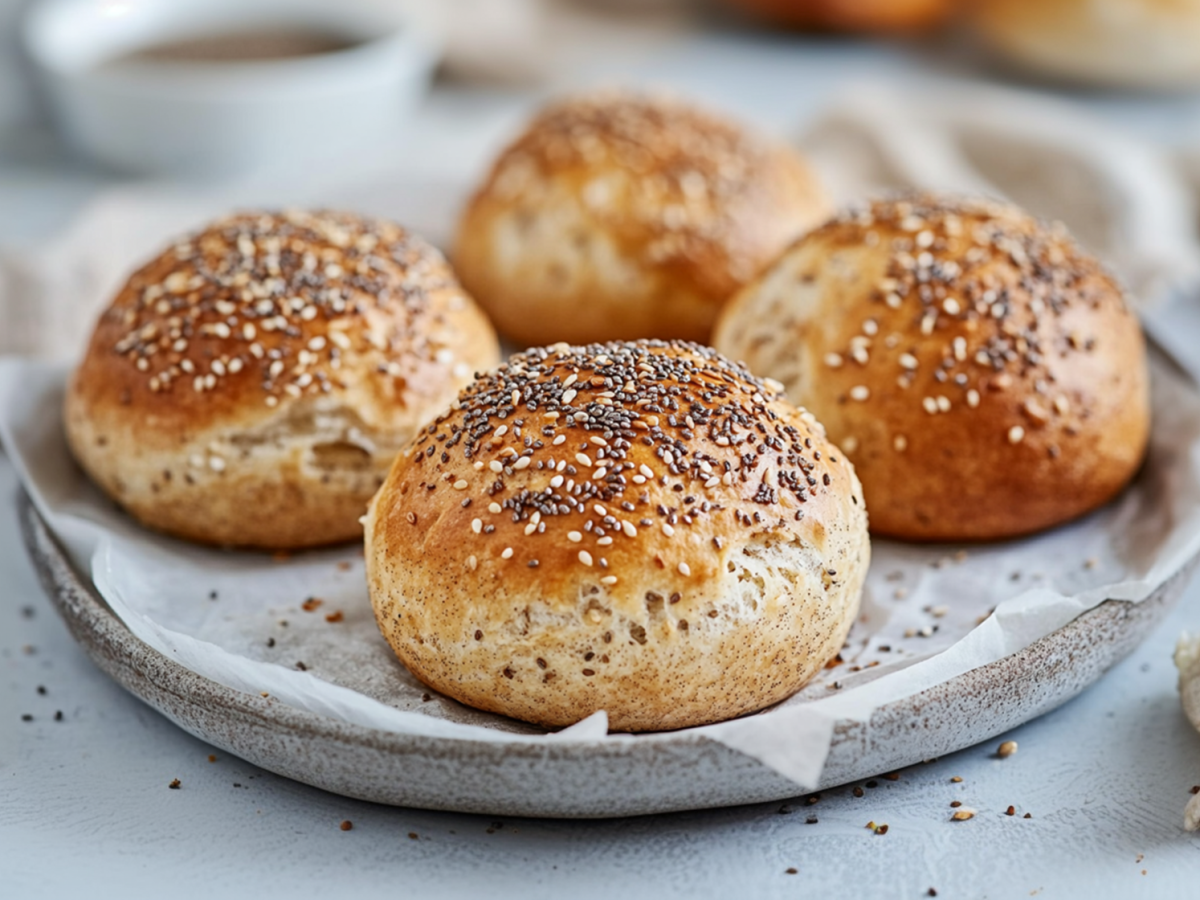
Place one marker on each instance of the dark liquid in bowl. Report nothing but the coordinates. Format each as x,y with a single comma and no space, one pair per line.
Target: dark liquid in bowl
256,45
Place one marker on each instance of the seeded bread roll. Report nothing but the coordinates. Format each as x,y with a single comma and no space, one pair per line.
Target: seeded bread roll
854,15
1118,43
983,373
642,528
619,216
251,385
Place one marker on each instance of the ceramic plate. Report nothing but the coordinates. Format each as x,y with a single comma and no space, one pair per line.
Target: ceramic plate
567,778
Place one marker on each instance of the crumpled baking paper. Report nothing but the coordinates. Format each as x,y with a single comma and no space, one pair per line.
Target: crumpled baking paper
223,614
301,628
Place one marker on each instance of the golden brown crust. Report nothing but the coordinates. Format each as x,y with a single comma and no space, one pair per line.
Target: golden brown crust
618,216
642,528
854,15
250,385
984,374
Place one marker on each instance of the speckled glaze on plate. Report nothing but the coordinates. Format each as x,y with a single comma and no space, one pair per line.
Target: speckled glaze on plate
581,779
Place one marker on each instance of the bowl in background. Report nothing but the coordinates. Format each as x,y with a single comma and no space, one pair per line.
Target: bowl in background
123,86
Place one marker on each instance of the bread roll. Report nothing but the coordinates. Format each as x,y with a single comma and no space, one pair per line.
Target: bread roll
983,373
1120,43
251,385
642,528
618,216
854,15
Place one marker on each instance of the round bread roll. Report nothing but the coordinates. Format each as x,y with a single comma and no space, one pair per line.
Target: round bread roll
251,385
854,15
984,374
643,528
619,216
1120,43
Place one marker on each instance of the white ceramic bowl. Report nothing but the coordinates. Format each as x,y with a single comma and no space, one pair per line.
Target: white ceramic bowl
206,118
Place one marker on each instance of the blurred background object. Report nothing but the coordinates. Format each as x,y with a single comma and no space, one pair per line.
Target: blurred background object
16,101
853,15
225,86
1117,43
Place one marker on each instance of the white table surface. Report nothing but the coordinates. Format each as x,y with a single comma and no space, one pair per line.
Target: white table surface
84,802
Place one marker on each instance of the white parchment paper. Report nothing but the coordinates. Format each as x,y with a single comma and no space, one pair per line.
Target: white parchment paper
929,613
301,628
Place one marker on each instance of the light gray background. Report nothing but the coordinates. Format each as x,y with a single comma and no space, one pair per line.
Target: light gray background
84,803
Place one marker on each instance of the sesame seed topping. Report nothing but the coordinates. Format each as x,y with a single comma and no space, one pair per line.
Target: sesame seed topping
662,436
254,279
685,569
460,485
1035,410
860,392
985,283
